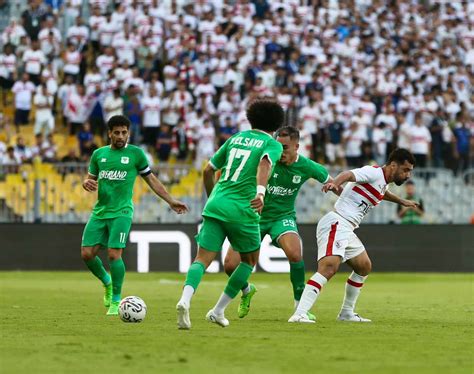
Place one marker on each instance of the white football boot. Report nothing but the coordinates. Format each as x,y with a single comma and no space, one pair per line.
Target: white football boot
352,317
301,318
214,318
182,311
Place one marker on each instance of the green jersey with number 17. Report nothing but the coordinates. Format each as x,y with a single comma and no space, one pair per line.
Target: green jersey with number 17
284,185
116,171
239,158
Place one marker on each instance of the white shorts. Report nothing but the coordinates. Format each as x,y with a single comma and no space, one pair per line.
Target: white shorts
333,151
336,237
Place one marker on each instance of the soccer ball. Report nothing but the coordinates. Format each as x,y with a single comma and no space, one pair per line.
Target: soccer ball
132,309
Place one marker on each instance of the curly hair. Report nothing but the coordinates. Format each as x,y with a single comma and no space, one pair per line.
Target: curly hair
118,120
265,114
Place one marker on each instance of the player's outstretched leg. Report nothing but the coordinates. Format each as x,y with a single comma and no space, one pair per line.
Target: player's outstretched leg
95,265
327,267
291,245
362,266
236,282
231,262
117,271
193,278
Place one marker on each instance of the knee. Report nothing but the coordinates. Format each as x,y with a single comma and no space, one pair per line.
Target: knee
294,256
87,254
364,268
328,270
114,254
229,266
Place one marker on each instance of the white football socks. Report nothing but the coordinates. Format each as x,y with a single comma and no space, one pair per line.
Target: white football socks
353,288
222,303
311,293
187,295
246,290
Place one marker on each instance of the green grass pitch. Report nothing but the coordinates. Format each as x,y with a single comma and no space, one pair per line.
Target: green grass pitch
55,323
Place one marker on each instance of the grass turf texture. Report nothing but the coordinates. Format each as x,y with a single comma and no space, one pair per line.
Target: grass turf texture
55,323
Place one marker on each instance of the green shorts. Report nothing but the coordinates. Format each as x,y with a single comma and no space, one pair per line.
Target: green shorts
109,233
244,238
278,228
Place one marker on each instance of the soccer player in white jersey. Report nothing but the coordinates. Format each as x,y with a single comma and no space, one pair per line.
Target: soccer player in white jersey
366,187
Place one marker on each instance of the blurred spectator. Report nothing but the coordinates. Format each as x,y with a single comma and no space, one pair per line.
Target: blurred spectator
34,60
77,109
71,156
411,216
227,130
7,70
133,111
205,144
22,151
84,137
463,143
11,160
353,139
420,139
334,146
163,143
23,91
50,149
379,145
87,149
180,141
43,114
113,104
151,105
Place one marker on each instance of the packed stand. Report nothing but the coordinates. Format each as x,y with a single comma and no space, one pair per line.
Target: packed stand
358,78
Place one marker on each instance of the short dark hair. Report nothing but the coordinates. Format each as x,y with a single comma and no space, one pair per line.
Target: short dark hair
265,114
400,155
290,131
116,121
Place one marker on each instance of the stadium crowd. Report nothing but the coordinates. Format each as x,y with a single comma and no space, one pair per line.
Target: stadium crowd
358,78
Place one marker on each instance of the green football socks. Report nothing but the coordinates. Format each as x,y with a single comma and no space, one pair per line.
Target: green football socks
195,273
238,279
117,270
297,278
97,268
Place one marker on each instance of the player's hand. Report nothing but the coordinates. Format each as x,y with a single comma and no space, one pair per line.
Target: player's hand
409,204
178,206
257,203
330,186
90,185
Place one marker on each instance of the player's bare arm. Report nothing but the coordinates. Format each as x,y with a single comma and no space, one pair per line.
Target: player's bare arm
263,174
90,183
389,196
162,192
335,185
208,178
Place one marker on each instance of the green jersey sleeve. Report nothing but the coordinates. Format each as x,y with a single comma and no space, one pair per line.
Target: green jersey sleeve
93,166
142,163
318,172
273,150
218,160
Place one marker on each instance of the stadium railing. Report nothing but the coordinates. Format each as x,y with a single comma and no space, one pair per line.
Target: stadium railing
53,193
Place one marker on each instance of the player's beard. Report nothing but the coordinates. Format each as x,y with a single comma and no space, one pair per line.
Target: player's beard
119,144
399,181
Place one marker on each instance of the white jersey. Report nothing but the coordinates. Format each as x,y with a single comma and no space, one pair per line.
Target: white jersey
359,197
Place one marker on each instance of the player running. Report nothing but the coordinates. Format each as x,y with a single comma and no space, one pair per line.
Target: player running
279,217
112,171
234,204
366,188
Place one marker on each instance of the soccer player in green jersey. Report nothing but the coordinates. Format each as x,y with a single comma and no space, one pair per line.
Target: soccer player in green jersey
279,217
112,172
234,204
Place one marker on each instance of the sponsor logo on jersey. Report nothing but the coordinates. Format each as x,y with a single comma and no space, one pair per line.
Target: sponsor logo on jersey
296,178
103,159
275,175
281,191
124,160
113,175
247,142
